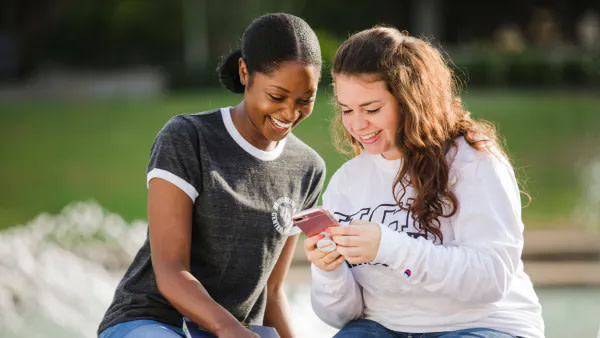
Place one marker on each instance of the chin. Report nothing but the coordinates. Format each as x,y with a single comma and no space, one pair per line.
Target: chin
373,151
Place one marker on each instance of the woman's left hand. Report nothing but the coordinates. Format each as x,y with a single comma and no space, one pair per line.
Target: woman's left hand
358,242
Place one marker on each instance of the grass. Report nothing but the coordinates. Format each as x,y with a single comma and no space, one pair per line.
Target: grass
55,152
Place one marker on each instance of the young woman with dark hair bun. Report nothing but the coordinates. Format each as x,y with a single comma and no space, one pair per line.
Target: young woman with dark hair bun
222,185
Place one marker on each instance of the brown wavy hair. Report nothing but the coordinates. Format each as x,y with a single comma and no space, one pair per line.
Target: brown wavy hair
432,117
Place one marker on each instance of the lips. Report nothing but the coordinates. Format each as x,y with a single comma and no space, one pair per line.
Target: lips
280,126
370,138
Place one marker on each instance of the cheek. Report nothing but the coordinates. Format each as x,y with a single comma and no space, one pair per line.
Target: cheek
258,104
346,123
306,111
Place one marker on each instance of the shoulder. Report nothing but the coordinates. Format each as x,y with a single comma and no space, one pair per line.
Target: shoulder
468,163
189,124
298,149
353,168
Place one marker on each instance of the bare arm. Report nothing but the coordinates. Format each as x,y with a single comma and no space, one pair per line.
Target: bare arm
170,224
277,311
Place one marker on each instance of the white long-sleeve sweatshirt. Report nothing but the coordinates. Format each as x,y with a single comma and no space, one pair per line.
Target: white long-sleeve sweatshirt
415,284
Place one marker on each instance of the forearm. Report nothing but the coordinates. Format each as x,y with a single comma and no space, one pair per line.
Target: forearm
192,300
277,313
486,271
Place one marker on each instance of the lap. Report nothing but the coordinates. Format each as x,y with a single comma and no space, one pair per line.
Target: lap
364,328
368,328
142,328
476,332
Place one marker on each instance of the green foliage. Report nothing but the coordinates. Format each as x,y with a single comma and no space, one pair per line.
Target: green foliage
55,152
531,68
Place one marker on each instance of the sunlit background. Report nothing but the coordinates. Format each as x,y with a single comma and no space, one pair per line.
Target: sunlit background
86,85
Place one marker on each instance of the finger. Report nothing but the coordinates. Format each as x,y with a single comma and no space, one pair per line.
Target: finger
349,251
311,242
359,222
332,265
330,257
315,255
356,260
347,230
346,240
338,261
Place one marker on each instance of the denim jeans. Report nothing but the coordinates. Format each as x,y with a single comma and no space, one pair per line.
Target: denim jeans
142,328
369,328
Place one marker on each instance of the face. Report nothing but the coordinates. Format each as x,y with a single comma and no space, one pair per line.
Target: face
275,103
370,113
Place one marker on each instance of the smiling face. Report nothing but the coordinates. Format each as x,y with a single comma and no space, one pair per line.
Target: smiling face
275,103
370,113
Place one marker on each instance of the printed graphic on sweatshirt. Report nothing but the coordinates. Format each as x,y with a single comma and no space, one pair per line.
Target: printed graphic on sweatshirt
391,215
283,209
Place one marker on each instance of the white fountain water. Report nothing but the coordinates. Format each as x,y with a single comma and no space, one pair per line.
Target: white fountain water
587,212
58,274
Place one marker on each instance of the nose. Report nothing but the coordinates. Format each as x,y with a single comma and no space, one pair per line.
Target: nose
359,122
291,113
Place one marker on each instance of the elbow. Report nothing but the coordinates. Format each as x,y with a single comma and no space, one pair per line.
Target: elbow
162,285
492,287
491,294
166,281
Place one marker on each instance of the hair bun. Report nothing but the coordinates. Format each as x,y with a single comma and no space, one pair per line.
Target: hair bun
229,74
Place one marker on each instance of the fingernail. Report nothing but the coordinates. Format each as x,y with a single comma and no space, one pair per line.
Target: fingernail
321,236
328,230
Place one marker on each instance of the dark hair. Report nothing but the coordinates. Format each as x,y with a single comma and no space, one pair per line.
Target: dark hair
432,117
268,41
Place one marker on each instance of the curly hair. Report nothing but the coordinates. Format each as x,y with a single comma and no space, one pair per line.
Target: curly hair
432,117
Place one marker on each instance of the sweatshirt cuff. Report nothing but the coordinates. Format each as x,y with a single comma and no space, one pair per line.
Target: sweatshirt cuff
388,246
397,251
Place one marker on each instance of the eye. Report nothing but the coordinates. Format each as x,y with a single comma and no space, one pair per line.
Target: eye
373,111
276,98
307,101
347,111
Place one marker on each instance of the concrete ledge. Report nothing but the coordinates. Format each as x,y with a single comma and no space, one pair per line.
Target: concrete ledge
563,273
561,242
551,258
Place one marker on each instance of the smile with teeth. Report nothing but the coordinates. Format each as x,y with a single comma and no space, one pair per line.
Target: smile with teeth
370,136
281,124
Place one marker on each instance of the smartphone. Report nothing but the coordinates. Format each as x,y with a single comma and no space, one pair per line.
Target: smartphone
313,221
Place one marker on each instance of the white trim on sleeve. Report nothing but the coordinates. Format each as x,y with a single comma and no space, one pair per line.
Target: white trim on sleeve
174,179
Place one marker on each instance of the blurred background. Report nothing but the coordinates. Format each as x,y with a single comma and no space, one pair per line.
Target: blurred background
86,85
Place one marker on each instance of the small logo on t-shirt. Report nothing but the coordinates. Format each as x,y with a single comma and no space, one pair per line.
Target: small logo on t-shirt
283,209
407,273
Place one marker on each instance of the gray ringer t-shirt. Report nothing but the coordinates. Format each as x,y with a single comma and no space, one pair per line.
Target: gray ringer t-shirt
243,199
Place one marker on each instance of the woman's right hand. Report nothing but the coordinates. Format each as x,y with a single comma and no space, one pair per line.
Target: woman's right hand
236,330
326,261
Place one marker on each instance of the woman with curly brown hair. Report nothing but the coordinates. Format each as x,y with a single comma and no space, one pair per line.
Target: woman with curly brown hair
430,207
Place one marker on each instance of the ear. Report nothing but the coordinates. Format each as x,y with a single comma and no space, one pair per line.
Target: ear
243,70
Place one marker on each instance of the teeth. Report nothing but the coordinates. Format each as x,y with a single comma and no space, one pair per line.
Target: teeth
370,136
281,124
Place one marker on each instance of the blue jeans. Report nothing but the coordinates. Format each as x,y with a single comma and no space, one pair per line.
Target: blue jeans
142,328
369,328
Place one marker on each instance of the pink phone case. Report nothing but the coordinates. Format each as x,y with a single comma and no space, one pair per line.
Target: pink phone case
314,220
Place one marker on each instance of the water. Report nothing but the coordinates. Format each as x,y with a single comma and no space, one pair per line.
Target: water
58,274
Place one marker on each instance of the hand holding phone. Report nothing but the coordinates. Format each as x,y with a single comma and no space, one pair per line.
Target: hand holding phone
314,221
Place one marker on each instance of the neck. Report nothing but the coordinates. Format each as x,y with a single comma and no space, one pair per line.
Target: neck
249,131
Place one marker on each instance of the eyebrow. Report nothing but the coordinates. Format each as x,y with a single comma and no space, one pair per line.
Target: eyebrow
287,91
361,105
